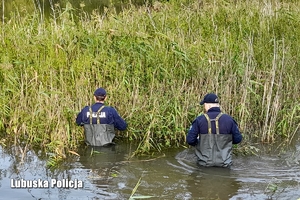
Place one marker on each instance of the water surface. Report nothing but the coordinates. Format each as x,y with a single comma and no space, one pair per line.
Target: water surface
107,173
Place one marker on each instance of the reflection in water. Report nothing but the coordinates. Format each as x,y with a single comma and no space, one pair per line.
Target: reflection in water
212,183
21,164
108,174
207,182
251,177
268,176
102,165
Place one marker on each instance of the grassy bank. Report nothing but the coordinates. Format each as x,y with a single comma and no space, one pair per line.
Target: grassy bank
156,63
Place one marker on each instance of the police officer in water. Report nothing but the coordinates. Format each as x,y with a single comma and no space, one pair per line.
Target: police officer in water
213,134
100,121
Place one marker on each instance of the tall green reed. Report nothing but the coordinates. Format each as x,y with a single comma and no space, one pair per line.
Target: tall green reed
156,63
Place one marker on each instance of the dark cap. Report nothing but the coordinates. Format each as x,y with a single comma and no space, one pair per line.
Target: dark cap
210,98
100,92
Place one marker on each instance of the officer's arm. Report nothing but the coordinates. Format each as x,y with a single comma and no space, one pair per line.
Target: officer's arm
80,117
236,134
192,135
119,122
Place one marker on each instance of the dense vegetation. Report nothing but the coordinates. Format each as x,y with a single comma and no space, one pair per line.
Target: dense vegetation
156,63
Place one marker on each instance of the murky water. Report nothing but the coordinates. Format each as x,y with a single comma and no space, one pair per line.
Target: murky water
106,173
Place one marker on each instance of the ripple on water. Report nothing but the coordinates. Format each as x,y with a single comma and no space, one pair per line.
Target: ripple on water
258,177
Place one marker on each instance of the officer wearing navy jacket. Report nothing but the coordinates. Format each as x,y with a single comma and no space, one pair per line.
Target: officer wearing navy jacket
100,121
213,134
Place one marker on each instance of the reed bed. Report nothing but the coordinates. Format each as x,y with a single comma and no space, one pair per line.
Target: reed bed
156,63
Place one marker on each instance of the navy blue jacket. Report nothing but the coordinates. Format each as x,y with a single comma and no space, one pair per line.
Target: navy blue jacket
109,115
227,125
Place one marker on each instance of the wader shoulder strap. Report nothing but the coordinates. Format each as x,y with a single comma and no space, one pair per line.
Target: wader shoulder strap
91,115
98,114
217,122
210,120
208,123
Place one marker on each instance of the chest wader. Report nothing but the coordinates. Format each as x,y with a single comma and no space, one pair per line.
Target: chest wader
98,134
214,149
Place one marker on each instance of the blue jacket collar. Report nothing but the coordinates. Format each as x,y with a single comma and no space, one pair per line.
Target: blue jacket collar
214,109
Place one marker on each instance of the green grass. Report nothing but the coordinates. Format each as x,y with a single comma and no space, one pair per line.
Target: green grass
156,63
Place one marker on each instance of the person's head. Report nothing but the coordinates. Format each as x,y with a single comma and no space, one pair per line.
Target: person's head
210,100
100,94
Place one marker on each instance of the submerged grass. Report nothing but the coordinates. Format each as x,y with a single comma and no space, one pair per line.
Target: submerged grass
156,62
133,196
